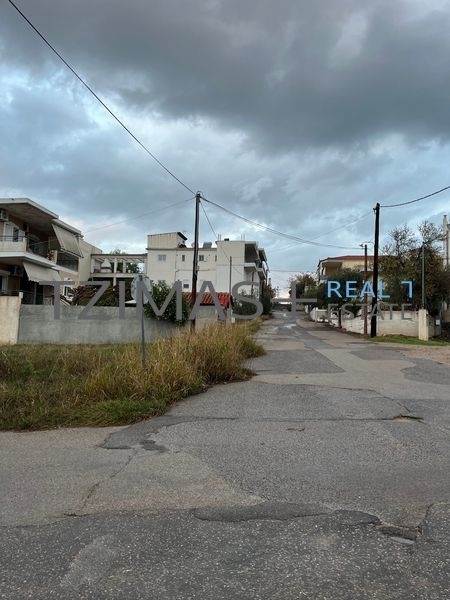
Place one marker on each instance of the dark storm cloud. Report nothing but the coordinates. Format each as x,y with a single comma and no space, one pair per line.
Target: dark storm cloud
298,114
290,73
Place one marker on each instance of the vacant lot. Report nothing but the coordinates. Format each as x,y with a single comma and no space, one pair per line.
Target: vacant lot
52,386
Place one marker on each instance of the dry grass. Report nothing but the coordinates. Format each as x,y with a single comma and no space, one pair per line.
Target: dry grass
52,386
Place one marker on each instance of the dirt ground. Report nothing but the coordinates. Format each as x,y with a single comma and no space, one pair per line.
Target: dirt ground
436,353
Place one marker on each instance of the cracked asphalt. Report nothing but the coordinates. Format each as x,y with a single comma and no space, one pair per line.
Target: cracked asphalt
326,476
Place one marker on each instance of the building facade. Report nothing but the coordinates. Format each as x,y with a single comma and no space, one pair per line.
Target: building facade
331,266
35,245
228,262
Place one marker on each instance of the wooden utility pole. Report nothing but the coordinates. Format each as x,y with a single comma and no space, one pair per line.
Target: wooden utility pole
141,299
373,320
198,197
229,288
365,295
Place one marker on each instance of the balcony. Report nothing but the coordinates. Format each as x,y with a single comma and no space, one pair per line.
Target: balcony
13,243
22,243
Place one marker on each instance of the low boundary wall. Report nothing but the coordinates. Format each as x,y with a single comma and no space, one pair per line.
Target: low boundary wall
37,325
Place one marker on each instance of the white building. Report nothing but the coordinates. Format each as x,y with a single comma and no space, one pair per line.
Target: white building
446,241
170,259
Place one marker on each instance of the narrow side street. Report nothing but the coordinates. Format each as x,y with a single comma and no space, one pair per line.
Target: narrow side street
324,476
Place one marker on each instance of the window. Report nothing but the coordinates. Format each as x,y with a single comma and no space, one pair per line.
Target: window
183,257
185,284
201,257
162,257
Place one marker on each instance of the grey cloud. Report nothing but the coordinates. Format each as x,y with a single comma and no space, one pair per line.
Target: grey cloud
281,72
298,114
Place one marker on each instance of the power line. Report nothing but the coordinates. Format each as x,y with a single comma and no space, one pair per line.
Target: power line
216,236
139,216
209,222
162,208
275,231
416,200
105,106
299,270
322,234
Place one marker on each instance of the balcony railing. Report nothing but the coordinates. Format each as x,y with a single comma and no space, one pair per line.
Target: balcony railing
13,243
21,243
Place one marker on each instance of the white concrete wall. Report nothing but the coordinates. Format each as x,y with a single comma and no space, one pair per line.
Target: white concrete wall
387,326
409,326
318,314
9,319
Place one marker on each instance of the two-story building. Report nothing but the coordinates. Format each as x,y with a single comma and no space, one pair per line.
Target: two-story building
35,245
331,266
225,264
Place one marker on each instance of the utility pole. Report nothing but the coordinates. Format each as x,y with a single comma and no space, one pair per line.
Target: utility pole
198,197
423,274
365,295
229,288
373,320
141,299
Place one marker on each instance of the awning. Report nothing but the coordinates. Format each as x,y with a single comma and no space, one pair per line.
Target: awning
67,240
38,273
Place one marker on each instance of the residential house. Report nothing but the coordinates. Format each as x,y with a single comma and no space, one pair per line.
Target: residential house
225,264
331,266
35,245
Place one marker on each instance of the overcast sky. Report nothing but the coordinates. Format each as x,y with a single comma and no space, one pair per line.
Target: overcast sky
297,114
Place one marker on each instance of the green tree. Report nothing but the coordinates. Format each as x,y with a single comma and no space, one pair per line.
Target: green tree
130,267
402,260
160,291
303,283
342,277
267,296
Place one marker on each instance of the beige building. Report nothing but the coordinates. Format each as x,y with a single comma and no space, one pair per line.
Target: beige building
170,259
35,245
331,266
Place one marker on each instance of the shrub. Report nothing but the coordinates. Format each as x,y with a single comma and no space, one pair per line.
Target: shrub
160,291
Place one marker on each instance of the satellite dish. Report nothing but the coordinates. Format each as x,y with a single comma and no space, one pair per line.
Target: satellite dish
145,281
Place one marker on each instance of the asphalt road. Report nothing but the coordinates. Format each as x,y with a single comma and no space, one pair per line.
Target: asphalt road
325,477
